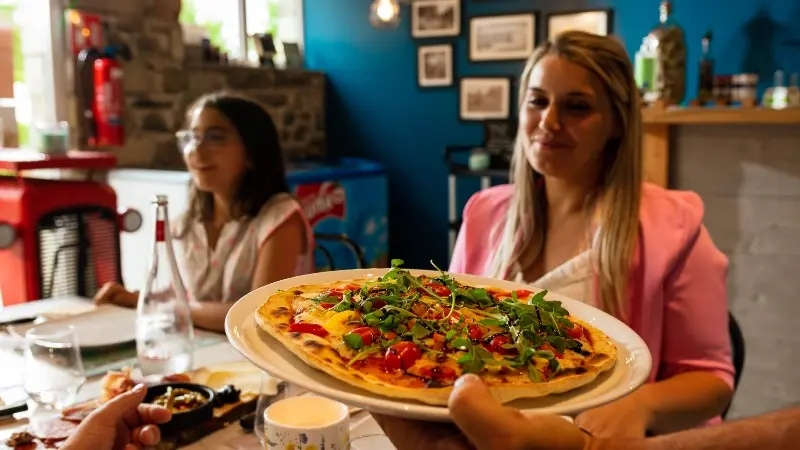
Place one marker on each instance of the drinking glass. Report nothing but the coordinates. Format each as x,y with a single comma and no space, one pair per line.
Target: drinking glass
371,442
53,367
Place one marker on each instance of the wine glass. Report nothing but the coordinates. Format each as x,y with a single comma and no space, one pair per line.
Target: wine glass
53,366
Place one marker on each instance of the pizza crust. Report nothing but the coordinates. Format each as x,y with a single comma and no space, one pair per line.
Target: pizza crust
274,314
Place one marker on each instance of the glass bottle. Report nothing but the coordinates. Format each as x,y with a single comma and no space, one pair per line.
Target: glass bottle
705,88
776,97
164,330
670,44
645,69
794,91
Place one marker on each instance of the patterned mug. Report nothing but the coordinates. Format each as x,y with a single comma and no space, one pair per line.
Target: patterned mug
307,422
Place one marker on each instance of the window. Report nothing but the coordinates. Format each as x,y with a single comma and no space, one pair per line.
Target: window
228,29
28,75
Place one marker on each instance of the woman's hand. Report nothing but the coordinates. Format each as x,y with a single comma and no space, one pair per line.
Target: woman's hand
113,292
484,424
124,423
629,417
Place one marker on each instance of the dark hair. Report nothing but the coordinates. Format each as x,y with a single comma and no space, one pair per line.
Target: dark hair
265,174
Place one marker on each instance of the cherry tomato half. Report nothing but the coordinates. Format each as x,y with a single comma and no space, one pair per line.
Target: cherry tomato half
474,332
368,334
310,328
496,345
402,355
550,348
378,304
576,332
326,305
438,289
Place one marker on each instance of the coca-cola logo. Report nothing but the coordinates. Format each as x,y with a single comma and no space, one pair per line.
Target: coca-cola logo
322,200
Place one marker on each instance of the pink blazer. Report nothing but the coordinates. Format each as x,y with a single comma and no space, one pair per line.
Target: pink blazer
677,294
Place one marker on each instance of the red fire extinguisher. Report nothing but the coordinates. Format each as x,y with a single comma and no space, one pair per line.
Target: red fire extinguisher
102,96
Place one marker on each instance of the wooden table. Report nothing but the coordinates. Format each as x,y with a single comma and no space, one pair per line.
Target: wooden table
231,438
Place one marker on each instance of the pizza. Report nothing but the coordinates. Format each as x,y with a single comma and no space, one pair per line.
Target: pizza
411,337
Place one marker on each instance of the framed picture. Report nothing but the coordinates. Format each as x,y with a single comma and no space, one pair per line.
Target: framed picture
502,37
435,65
484,98
435,18
597,21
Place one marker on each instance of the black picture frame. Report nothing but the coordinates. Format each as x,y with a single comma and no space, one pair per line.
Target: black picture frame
505,82
416,30
607,12
450,61
527,18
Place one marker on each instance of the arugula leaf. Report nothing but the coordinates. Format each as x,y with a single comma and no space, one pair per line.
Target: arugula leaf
471,362
343,306
419,332
363,354
558,343
389,323
450,334
374,318
497,362
397,263
546,354
554,365
437,268
354,341
462,343
493,322
533,374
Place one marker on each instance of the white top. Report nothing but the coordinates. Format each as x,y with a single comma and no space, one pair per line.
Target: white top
225,273
571,279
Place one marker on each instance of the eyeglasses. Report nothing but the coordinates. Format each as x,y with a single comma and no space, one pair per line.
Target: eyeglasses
189,141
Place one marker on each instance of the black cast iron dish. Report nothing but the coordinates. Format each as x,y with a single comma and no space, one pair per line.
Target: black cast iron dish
185,419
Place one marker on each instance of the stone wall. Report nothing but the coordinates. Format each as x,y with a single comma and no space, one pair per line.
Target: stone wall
749,179
159,84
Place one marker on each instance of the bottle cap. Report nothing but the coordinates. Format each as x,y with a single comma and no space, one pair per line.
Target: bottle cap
161,199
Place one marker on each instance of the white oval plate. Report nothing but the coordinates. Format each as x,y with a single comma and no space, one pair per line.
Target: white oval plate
631,370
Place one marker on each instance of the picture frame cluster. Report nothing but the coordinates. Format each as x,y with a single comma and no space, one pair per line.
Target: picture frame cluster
492,38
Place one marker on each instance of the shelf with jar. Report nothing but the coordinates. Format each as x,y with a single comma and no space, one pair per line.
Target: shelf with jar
660,70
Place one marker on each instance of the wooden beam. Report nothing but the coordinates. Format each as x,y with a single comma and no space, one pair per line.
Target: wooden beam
655,154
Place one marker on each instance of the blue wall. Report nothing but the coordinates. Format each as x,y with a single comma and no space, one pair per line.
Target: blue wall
376,110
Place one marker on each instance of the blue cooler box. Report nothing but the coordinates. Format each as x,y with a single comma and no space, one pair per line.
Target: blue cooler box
346,201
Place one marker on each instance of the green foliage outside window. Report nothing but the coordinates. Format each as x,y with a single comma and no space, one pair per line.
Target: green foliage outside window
7,15
214,28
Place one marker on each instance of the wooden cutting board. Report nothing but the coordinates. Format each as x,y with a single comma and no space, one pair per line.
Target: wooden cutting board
243,376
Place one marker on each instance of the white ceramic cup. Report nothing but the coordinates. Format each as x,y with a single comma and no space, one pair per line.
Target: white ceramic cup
308,422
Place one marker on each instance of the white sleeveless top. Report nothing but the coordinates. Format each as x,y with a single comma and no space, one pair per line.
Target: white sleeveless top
572,279
225,274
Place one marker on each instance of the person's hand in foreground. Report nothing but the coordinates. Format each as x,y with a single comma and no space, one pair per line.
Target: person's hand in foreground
123,423
485,423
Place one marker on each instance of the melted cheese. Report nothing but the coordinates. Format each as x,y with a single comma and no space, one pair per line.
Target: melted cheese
338,324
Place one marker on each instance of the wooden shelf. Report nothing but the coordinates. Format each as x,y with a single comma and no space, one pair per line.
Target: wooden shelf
720,115
659,120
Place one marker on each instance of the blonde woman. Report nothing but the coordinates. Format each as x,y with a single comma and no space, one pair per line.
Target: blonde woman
578,220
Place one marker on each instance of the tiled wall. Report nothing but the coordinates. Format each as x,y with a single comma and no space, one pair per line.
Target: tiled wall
749,179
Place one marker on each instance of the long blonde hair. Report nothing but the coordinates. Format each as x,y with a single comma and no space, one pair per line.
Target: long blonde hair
619,186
